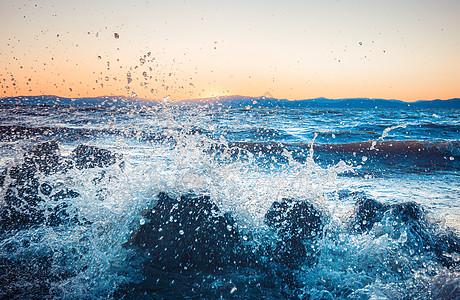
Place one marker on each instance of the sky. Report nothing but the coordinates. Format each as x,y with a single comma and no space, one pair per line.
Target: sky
406,50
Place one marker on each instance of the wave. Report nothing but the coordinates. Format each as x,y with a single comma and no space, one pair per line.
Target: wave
412,148
396,148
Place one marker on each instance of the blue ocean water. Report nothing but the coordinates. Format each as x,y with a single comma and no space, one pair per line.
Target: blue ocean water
70,230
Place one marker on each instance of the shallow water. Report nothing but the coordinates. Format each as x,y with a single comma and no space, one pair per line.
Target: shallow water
244,160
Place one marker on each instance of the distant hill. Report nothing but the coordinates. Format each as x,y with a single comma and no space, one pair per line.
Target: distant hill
238,101
242,101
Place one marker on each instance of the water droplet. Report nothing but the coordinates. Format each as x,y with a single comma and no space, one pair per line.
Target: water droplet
106,78
451,158
116,35
70,89
142,221
360,43
99,57
181,232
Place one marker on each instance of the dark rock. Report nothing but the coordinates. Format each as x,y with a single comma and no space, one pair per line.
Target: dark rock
291,252
295,219
25,191
298,224
446,246
86,157
367,212
407,211
22,174
189,233
421,235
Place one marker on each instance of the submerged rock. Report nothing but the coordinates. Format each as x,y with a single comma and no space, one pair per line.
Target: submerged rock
188,233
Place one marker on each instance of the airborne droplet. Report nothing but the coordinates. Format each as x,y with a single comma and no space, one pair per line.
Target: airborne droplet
116,35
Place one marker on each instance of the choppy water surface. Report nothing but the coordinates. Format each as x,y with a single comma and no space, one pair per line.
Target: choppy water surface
244,160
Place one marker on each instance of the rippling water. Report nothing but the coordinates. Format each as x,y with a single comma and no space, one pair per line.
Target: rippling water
244,160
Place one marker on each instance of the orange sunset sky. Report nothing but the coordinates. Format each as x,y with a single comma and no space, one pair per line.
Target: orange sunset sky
406,50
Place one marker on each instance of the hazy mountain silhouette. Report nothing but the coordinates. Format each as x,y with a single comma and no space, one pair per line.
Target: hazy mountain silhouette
237,101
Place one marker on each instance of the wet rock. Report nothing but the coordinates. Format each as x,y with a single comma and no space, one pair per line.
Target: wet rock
188,233
25,191
367,213
407,211
410,218
86,157
298,224
295,219
446,246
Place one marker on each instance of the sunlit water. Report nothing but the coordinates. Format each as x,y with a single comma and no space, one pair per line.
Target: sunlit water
244,159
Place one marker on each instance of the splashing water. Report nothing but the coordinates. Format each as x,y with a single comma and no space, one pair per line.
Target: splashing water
180,150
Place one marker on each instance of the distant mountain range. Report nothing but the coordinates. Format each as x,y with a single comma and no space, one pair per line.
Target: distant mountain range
238,101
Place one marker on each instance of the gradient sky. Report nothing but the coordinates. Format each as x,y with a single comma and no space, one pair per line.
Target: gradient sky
407,50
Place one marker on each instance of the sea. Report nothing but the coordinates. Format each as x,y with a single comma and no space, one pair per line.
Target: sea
80,184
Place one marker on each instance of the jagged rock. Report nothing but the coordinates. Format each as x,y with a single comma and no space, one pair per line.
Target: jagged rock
188,233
